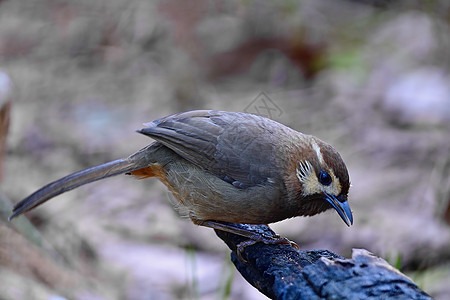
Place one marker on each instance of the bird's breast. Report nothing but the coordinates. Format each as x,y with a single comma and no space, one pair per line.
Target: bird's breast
205,196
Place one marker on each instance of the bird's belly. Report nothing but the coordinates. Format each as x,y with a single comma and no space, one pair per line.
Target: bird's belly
203,196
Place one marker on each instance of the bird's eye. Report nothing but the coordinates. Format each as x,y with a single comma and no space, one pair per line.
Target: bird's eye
324,178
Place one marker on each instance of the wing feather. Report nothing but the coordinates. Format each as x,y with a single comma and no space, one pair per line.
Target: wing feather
237,147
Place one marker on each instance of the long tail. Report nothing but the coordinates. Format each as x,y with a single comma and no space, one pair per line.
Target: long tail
138,160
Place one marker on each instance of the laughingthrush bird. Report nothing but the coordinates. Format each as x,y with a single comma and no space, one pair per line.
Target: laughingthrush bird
228,167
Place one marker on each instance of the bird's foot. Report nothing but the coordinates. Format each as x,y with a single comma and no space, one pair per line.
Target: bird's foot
254,234
268,240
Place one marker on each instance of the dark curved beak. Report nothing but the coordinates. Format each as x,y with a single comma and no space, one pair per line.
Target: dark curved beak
342,208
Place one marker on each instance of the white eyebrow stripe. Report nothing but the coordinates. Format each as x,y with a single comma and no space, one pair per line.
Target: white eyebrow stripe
318,153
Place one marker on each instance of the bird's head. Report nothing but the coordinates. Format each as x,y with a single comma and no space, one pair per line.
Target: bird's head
319,180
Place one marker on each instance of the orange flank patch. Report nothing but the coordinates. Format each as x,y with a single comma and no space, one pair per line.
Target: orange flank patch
158,171
155,170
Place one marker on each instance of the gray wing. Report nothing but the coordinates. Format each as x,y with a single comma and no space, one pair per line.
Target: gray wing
236,147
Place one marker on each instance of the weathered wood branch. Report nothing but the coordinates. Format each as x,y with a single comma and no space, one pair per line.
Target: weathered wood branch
283,272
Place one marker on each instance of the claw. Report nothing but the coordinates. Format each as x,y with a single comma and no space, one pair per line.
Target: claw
253,236
268,240
241,247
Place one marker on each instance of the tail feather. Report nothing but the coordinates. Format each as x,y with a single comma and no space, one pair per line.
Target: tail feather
140,159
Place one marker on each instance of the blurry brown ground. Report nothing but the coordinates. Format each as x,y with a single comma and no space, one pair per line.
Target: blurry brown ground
370,78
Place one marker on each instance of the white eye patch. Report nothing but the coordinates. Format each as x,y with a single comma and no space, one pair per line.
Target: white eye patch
310,183
305,171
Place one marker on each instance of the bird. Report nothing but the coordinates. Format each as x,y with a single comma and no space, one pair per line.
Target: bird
226,168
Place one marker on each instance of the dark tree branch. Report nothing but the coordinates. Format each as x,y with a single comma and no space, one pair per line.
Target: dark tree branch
283,272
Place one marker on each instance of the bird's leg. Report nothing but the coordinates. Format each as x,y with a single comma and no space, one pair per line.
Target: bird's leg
248,231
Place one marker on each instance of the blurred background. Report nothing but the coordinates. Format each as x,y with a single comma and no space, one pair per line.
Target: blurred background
371,77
